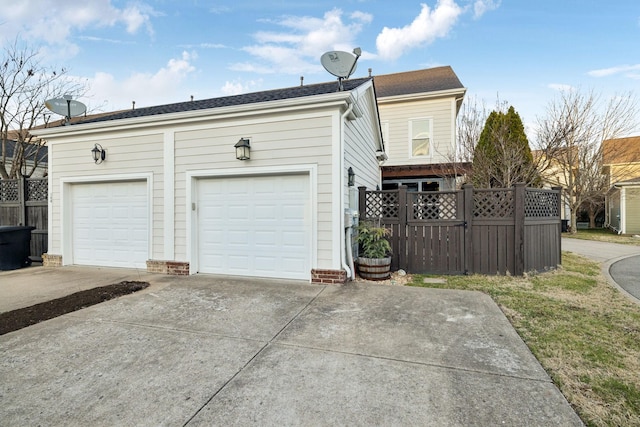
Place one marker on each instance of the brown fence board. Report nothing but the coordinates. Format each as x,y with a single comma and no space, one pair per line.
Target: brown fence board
487,231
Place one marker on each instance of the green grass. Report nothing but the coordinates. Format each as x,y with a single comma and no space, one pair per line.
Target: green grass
582,330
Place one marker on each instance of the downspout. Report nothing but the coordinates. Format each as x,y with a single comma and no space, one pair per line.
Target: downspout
345,231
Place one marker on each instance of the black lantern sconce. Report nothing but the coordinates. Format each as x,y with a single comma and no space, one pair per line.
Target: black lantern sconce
243,149
352,177
98,153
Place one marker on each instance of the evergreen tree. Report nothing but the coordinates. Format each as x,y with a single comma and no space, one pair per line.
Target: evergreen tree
502,156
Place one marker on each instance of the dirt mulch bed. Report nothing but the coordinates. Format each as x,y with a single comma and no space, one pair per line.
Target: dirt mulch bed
21,318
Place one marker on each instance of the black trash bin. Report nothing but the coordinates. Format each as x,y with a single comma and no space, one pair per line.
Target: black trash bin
565,225
15,247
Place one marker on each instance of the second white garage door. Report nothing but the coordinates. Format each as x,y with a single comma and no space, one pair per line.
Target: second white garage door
254,226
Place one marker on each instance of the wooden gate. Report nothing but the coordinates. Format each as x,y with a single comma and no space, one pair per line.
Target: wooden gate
487,231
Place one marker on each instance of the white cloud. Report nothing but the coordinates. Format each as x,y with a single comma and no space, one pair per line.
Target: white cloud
54,21
480,7
146,89
631,71
297,49
560,87
238,87
425,28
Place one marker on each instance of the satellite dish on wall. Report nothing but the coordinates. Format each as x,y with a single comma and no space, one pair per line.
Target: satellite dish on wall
66,107
340,64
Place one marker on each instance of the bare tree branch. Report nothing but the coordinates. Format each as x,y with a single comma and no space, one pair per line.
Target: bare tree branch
25,85
570,138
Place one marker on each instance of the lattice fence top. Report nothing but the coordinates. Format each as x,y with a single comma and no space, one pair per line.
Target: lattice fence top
433,205
9,190
541,203
382,204
37,190
493,204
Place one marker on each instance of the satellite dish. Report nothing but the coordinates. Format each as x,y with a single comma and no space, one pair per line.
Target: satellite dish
66,107
340,64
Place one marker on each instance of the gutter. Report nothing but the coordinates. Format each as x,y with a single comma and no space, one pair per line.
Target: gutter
347,265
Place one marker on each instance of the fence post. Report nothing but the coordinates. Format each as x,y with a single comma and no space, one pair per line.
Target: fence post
362,202
403,239
22,199
518,235
558,213
467,217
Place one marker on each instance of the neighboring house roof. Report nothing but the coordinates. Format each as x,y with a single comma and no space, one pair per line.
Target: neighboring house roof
229,101
436,79
30,151
621,150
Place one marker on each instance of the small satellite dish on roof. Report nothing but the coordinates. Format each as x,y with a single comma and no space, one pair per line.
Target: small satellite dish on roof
340,64
66,107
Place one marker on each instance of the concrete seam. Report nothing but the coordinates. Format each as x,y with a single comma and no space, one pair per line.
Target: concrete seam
254,356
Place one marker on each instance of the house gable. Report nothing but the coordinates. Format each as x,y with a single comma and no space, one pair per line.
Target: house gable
418,112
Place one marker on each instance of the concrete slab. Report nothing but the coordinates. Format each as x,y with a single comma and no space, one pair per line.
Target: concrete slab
251,309
214,351
85,373
458,329
300,386
32,285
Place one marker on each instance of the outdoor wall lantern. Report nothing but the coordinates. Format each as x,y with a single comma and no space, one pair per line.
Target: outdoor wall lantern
98,154
352,177
243,149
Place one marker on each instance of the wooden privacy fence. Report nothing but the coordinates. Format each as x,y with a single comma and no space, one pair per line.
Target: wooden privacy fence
24,202
486,231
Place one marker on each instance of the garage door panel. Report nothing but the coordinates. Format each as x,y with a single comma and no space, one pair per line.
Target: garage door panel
260,220
110,224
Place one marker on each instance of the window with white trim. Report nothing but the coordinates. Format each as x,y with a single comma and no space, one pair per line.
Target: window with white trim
420,132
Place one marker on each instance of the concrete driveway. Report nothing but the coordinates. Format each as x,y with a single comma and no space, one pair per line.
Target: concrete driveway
207,350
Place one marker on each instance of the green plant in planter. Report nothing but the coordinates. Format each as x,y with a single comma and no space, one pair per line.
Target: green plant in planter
373,240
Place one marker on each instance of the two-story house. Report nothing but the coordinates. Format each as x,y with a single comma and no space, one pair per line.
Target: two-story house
418,112
621,162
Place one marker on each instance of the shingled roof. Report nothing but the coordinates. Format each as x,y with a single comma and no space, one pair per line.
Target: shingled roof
419,81
30,151
229,101
621,150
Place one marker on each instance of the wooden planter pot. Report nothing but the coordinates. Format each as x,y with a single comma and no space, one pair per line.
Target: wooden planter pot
374,268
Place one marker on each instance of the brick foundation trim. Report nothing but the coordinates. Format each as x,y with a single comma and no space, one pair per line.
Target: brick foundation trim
328,277
174,268
50,260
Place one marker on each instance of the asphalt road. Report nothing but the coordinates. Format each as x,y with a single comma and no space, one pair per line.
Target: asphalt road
626,273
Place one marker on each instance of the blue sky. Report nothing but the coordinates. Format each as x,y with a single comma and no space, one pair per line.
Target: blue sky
156,52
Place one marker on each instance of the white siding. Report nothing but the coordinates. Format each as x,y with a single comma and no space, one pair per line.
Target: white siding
361,142
398,114
126,154
275,141
632,210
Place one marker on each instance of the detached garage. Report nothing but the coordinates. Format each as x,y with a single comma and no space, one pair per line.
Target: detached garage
173,196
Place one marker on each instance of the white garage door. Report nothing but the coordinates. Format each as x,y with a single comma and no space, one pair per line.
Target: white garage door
110,224
254,226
